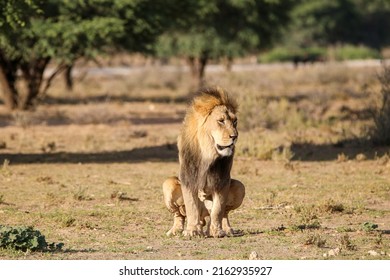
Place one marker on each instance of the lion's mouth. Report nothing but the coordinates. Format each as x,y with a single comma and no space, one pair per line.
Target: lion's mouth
221,148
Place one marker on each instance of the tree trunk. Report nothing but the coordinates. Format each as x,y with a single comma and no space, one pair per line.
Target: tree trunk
68,77
33,76
9,96
8,70
202,67
229,63
197,69
194,81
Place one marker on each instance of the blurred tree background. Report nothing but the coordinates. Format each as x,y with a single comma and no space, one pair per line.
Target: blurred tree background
37,33
223,29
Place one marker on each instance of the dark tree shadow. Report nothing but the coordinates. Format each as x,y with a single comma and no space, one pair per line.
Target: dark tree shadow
104,98
167,153
108,98
56,119
349,149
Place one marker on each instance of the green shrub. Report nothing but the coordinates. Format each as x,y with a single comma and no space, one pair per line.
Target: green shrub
368,226
25,239
278,55
282,54
312,54
350,52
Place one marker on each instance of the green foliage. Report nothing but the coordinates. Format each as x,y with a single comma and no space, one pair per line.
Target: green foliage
225,28
322,22
311,54
279,54
25,239
368,226
284,54
14,13
65,31
215,29
62,32
350,52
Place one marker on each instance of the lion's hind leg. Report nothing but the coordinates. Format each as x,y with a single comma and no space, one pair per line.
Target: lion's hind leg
235,197
173,199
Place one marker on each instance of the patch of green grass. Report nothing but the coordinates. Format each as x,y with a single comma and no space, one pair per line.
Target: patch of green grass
25,239
369,226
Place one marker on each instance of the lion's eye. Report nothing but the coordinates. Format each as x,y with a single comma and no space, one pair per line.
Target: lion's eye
221,122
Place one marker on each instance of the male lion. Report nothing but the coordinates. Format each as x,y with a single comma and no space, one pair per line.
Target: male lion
206,148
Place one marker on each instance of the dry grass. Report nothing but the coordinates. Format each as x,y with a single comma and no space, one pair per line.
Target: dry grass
86,168
380,131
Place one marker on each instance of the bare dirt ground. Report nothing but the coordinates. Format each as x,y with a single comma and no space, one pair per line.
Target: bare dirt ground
85,168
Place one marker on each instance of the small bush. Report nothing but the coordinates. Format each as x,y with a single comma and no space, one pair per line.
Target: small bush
278,55
282,54
350,52
312,54
25,239
368,226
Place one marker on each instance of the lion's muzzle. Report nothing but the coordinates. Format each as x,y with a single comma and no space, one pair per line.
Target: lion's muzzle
225,151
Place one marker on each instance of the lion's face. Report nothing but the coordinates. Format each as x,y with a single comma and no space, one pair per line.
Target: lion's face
222,125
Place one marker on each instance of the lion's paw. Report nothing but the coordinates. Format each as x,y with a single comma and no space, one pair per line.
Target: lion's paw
233,232
193,233
229,231
174,231
218,233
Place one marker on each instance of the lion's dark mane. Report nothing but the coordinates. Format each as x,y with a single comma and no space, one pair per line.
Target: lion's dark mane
197,173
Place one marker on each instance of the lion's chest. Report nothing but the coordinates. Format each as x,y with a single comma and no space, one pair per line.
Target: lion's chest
218,175
204,175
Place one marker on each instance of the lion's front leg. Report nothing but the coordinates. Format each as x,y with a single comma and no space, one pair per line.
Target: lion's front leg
193,212
218,212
